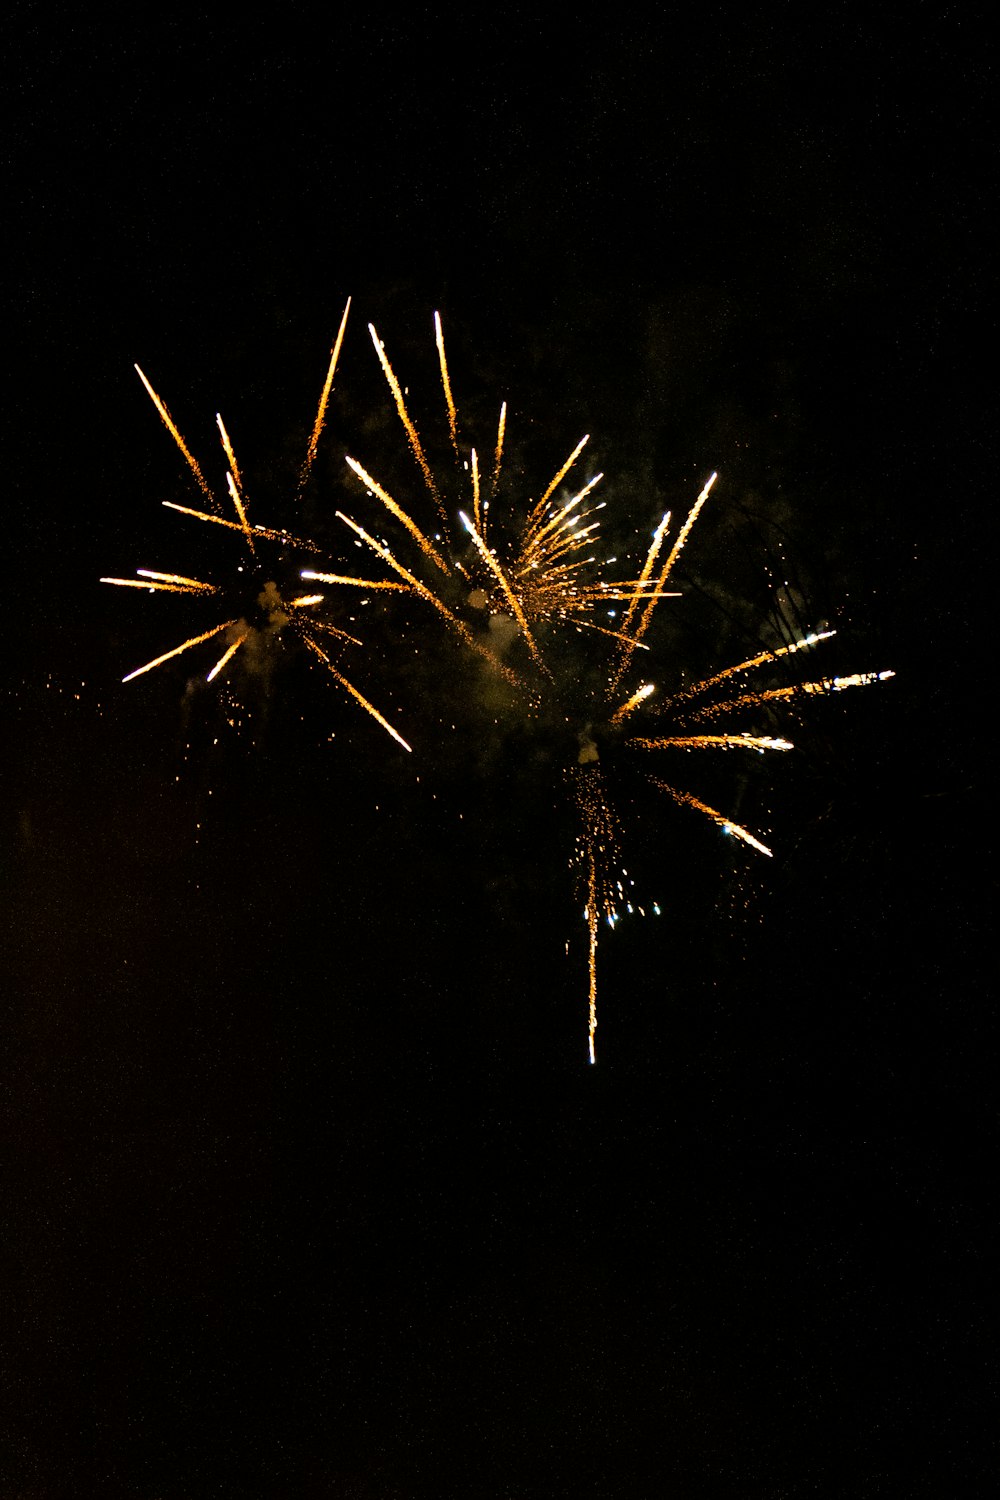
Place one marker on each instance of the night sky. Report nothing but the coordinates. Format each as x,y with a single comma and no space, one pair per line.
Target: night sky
308,1186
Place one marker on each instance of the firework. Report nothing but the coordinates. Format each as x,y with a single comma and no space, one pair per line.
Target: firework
298,611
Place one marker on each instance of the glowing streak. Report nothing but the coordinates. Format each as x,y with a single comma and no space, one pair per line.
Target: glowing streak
643,578
323,401
592,954
726,824
836,684
427,547
425,593
166,588
539,509
509,594
639,696
475,491
171,427
675,550
227,655
238,502
446,383
359,583
755,661
195,640
259,531
193,583
556,522
228,450
304,599
332,630
404,417
823,685
498,456
722,741
369,707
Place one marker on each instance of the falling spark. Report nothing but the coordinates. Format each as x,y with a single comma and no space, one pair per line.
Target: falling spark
745,666
404,417
726,824
509,594
265,532
639,696
358,697
498,456
171,427
323,401
426,546
721,741
228,450
556,481
195,640
240,510
446,383
227,655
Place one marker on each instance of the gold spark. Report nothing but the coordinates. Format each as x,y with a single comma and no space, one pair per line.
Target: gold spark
498,456
323,401
240,511
708,741
426,546
227,655
404,417
745,666
509,594
539,509
446,383
259,531
354,692
228,450
639,696
726,824
195,640
360,583
171,427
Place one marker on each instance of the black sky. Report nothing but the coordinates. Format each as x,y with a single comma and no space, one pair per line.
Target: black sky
310,1190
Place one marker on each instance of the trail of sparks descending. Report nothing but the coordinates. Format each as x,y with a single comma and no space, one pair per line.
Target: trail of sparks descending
358,698
324,399
171,427
195,640
404,417
426,546
726,824
511,597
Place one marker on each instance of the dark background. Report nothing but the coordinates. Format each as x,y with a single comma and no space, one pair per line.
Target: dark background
309,1188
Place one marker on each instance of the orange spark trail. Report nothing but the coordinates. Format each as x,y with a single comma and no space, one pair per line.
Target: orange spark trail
171,427
498,456
195,640
592,956
425,593
539,510
643,578
665,570
726,824
722,741
511,597
227,655
240,511
354,692
639,696
475,490
259,531
446,383
360,583
167,583
404,417
323,401
745,666
823,685
390,504
228,450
